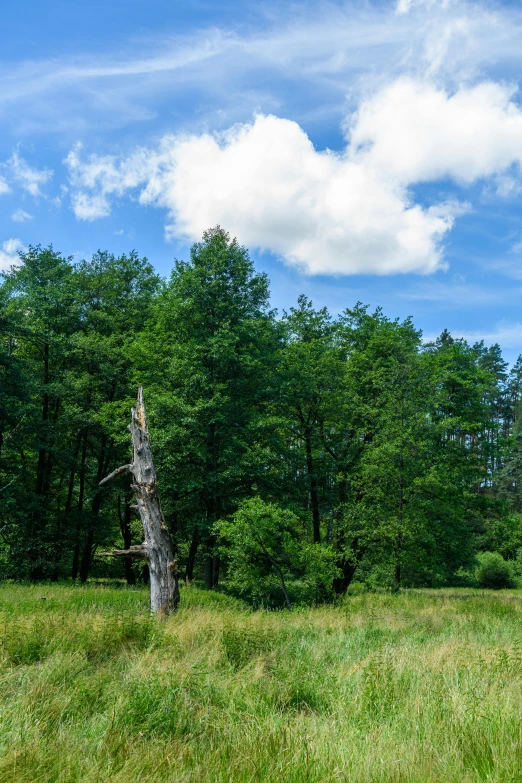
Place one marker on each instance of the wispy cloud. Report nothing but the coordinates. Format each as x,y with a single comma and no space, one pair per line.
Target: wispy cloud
335,51
508,265
18,172
507,334
409,78
9,253
21,216
461,295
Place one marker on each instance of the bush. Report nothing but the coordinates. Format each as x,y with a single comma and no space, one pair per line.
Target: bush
493,571
266,554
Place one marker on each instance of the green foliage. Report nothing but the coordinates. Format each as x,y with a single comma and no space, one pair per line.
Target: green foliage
264,547
356,588
503,532
206,362
380,459
517,564
493,571
311,368
67,330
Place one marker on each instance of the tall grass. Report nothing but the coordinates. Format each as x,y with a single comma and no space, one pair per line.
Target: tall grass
424,687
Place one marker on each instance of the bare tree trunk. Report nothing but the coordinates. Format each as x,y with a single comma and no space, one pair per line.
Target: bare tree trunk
157,547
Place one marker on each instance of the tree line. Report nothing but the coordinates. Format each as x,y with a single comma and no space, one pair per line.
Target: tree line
311,448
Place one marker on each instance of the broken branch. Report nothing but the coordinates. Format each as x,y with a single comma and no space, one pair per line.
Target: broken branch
115,474
134,551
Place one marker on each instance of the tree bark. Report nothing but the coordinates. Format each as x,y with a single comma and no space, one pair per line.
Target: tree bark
342,583
212,565
156,549
348,567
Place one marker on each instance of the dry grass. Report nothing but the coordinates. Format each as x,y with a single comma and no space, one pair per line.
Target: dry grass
422,687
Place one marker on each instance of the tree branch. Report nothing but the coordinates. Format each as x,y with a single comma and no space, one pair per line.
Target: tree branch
5,487
115,474
138,550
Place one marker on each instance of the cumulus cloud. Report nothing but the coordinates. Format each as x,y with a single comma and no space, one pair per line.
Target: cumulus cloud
18,171
334,213
414,131
322,211
9,253
21,216
4,187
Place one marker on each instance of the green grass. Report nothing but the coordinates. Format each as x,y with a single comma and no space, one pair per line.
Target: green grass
425,686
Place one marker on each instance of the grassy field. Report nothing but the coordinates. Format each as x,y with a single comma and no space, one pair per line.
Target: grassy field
424,686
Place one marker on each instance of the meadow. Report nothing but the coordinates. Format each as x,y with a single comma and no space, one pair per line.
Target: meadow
421,687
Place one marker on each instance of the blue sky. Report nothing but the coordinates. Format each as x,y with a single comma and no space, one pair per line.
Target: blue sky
362,151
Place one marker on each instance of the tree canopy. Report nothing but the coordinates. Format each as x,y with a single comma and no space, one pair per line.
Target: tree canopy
298,449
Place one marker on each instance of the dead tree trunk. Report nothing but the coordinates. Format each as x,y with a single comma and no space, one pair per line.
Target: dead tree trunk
157,547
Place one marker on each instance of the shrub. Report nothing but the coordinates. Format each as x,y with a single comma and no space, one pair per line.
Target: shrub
266,553
493,571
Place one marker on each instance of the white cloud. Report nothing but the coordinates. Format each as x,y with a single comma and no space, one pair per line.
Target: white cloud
414,131
102,177
505,186
90,207
291,53
4,187
9,253
267,184
30,179
405,6
509,265
333,213
21,216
